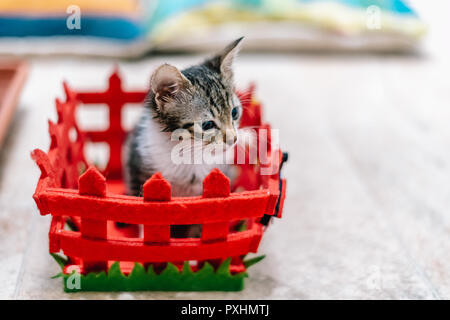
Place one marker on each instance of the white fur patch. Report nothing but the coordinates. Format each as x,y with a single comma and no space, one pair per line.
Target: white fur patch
155,148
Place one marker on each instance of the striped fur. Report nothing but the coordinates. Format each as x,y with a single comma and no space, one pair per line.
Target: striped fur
183,100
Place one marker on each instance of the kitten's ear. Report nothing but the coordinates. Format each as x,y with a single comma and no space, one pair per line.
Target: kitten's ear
223,61
166,82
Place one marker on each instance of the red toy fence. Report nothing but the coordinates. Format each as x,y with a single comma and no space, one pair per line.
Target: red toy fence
84,201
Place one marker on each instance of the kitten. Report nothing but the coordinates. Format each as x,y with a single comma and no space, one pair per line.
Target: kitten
199,99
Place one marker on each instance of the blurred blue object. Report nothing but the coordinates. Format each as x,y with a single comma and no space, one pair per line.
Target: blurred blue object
394,6
104,27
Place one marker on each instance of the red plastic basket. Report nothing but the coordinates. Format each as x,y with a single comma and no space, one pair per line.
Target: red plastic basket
93,204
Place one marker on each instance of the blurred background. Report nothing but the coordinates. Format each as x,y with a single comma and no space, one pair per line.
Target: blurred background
359,90
130,28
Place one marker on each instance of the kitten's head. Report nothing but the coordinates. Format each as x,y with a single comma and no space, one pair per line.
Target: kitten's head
200,98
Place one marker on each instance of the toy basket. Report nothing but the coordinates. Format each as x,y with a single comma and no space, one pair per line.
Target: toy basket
116,242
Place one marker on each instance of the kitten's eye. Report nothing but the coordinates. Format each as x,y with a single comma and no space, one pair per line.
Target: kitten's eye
207,125
235,113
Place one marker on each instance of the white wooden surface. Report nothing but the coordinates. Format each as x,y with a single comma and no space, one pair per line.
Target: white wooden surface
367,211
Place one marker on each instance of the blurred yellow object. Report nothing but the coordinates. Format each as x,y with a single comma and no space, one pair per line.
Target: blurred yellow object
60,6
328,16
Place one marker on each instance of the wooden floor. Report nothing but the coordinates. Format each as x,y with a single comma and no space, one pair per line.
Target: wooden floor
367,213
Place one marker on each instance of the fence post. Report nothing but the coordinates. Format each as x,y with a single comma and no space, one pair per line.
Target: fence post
216,184
116,134
157,188
93,183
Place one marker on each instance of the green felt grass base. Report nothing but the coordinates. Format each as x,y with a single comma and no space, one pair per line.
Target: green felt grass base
170,279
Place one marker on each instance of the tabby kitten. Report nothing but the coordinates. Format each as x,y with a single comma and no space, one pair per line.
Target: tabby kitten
200,101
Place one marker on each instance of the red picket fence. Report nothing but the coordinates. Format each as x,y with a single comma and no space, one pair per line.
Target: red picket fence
90,202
